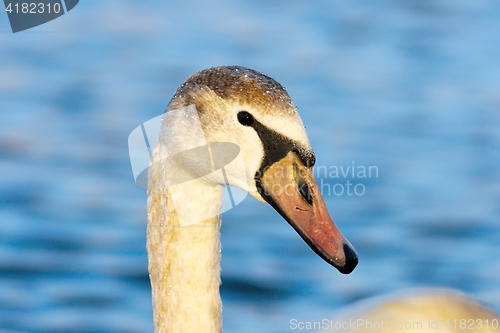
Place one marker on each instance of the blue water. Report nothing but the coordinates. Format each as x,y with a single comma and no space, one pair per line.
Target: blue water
411,87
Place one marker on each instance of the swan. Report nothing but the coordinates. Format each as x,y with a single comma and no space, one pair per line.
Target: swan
215,115
234,126
415,310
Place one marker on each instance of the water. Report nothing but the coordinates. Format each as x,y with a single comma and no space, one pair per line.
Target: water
410,87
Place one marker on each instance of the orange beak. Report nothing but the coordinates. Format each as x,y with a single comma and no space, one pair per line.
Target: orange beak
291,189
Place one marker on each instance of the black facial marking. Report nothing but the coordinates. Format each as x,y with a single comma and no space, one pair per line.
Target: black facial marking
276,147
245,118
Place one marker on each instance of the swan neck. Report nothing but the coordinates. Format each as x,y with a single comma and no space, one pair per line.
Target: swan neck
184,260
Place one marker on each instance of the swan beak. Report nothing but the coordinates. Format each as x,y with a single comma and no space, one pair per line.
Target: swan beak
290,187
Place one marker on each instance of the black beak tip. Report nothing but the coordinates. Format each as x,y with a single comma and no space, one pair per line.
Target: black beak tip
351,260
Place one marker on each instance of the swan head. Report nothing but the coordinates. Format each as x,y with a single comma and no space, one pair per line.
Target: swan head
251,116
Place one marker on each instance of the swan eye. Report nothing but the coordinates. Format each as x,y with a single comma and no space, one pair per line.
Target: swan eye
245,118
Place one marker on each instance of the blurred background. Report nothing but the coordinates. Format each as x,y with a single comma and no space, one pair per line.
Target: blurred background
409,86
